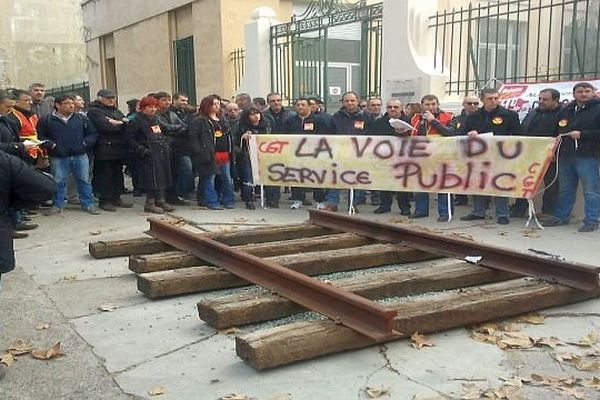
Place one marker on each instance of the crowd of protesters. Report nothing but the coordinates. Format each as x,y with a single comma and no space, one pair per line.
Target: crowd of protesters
178,154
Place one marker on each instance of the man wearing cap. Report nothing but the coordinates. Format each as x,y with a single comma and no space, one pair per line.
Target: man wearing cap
110,152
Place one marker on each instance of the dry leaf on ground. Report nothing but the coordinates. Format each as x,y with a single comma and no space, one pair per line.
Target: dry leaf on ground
492,327
19,347
418,341
95,233
7,359
551,342
280,397
586,365
515,340
240,219
485,338
107,307
399,220
530,233
588,340
470,392
157,391
535,319
235,396
564,356
229,331
572,393
377,391
593,383
53,352
42,326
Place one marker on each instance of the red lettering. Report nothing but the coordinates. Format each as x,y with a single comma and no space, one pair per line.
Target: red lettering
272,147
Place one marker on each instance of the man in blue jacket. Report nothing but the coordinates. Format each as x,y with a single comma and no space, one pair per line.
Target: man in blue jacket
70,136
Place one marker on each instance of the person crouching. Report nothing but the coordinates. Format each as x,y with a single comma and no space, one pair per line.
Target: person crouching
153,154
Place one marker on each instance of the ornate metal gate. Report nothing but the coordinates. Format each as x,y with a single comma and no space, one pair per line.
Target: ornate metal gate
329,49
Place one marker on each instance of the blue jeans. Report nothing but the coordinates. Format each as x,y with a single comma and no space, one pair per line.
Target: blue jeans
80,166
480,205
211,197
422,204
244,173
570,172
185,176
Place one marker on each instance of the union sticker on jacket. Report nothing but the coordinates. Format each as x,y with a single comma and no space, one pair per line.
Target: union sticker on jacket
359,125
155,129
309,126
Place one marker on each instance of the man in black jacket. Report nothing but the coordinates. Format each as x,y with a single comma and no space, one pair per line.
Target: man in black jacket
111,150
305,122
492,117
381,126
579,153
542,121
21,186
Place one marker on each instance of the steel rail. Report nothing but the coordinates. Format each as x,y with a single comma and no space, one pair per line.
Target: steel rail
576,275
356,312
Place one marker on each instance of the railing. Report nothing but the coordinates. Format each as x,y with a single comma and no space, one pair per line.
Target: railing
81,88
517,41
238,60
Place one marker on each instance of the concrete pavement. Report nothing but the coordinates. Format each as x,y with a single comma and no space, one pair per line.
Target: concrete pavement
144,344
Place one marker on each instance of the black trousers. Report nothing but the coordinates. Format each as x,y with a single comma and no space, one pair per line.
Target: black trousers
402,197
108,178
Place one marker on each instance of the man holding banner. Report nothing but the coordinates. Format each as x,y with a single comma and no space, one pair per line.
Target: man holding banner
501,122
579,152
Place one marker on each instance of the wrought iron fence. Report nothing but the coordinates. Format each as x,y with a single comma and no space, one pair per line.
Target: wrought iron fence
309,56
81,88
238,62
517,41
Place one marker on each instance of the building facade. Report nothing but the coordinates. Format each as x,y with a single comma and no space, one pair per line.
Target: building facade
140,46
42,41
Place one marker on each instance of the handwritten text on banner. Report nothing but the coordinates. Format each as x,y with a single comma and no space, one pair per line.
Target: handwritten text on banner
494,165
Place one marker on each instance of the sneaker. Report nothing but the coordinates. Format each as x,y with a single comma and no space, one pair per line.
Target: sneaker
297,204
54,211
502,220
588,228
472,217
138,192
92,210
108,207
250,205
74,201
217,207
320,206
178,201
382,210
25,227
230,206
443,219
555,222
20,235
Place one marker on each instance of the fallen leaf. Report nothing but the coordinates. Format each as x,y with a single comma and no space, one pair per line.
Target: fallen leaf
95,233
280,397
399,220
240,219
515,381
7,359
418,341
229,331
535,319
515,340
593,383
462,235
234,396
108,307
573,393
503,233
53,352
485,338
19,347
585,365
42,326
378,391
470,392
261,220
551,342
157,391
588,340
564,356
530,233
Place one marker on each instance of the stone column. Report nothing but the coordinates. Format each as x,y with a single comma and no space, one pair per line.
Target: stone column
257,74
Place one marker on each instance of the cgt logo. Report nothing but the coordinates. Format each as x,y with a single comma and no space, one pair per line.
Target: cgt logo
509,91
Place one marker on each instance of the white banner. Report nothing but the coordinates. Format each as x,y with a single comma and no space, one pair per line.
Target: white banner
522,97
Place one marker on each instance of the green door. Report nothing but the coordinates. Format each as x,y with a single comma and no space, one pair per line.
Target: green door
184,67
